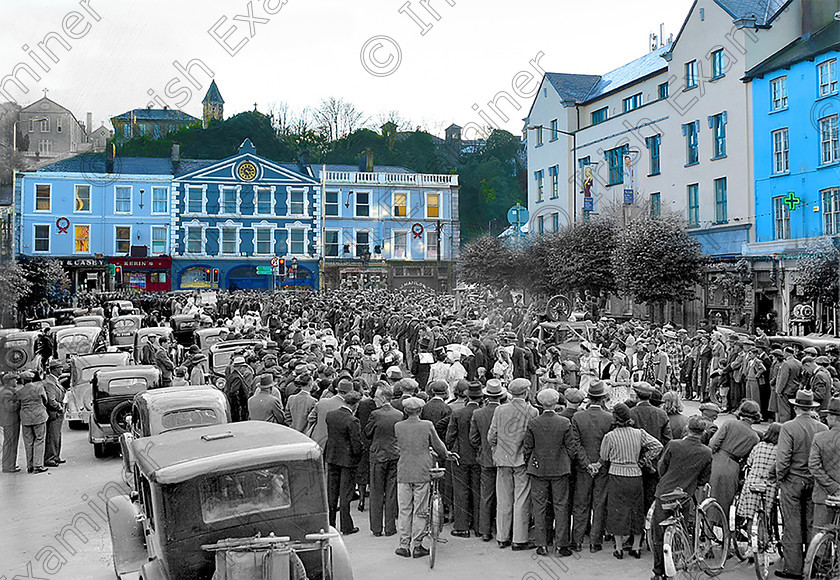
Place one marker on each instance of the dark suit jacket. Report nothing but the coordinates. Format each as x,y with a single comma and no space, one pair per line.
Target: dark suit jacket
686,463
479,426
589,428
520,363
344,438
653,420
9,406
549,445
458,433
438,412
363,412
380,431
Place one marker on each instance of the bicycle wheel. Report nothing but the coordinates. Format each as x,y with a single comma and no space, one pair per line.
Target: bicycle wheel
676,550
648,520
711,537
434,526
764,546
739,533
822,561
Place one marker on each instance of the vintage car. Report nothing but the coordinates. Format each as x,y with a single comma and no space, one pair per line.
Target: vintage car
123,307
40,324
171,409
79,396
64,316
222,352
97,311
566,335
185,325
242,500
123,329
18,351
141,337
207,337
113,393
818,341
89,320
77,340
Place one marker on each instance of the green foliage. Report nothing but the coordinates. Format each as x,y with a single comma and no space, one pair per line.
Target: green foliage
42,279
13,286
578,258
818,274
487,261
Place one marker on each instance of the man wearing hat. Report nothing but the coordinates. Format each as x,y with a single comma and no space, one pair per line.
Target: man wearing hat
318,415
710,412
466,475
384,454
574,399
239,381
824,463
33,418
796,483
506,436
820,379
342,454
479,427
55,413
10,421
299,405
655,421
263,406
788,382
549,448
436,410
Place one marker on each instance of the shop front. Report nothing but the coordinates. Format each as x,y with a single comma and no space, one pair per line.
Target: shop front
254,275
142,274
87,274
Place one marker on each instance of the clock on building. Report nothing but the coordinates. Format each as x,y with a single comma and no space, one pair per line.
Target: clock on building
247,171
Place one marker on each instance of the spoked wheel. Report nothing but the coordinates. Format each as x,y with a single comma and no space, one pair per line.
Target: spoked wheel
434,530
648,535
676,550
711,537
740,533
822,562
764,546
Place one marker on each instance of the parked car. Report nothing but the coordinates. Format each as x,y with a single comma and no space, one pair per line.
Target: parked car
18,351
206,337
227,501
77,340
81,371
40,324
566,335
222,352
185,325
90,320
818,341
141,337
123,329
171,409
124,307
64,316
113,393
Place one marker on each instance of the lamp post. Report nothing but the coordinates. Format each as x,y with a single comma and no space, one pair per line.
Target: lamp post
14,177
294,272
573,135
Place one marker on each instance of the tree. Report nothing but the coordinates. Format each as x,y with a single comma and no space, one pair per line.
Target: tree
655,260
338,118
818,273
13,286
490,262
44,280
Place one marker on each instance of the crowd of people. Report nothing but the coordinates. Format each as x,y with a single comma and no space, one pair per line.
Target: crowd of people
550,440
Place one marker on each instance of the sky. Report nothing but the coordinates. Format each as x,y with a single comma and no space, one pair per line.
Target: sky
435,62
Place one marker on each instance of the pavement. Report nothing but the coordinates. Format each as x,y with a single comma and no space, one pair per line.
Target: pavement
54,526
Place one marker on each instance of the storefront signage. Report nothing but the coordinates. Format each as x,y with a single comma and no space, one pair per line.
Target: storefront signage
82,262
154,263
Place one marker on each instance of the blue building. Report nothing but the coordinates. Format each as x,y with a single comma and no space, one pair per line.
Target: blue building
91,213
233,216
796,168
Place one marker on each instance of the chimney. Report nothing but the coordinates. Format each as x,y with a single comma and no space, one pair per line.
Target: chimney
176,155
305,161
366,163
110,153
89,123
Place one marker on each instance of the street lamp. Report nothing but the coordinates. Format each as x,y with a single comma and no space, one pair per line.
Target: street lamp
294,272
573,135
14,174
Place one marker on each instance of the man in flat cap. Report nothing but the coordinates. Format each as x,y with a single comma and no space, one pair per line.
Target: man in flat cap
479,428
55,412
788,381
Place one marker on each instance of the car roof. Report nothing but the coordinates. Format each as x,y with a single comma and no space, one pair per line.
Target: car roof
99,358
213,330
179,456
166,399
155,330
232,344
90,330
109,373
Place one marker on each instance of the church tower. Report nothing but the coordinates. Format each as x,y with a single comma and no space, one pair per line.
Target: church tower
214,104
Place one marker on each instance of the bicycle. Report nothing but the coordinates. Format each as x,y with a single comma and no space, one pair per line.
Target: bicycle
710,544
434,515
765,532
822,561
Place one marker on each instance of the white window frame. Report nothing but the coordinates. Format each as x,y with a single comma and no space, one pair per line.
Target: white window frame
130,198
631,103
394,195
90,235
554,181
165,240
831,215
780,143
338,242
354,246
356,193
130,233
76,187
168,194
202,228
229,225
35,193
439,205
554,134
394,234
693,76
539,178
203,189
289,190
297,226
49,238
778,94
229,189
45,125
45,146
271,228
781,219
722,73
828,85
271,199
831,142
337,193
428,254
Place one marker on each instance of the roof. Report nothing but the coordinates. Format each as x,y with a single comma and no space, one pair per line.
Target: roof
376,169
179,456
572,87
93,163
651,63
764,11
155,115
803,48
160,401
213,95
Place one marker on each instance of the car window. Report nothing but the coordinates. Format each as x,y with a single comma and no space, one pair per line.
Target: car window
238,494
123,324
75,343
211,340
127,386
188,418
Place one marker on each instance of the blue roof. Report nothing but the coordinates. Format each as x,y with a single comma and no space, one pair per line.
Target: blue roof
93,163
764,11
156,115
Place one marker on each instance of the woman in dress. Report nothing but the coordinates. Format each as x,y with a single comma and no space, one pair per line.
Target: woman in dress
621,449
503,368
619,380
673,406
761,466
731,446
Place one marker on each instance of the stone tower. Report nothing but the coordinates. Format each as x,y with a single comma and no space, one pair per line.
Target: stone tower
214,105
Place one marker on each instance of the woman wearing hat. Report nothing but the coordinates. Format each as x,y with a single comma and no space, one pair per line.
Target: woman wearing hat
731,446
369,366
620,450
503,368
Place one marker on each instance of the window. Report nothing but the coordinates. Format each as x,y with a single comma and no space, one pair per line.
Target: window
600,115
828,140
431,245
331,203
720,201
633,102
718,64
554,132
195,240
781,219
778,94
296,201
258,491
122,199
45,125
122,239
127,130
433,205
538,176
159,239
362,242
45,146
691,74
400,204
158,278
82,239
362,204
31,125
43,196
229,240
156,131
692,142
827,73
653,150
539,136
58,126
262,200
227,200
297,241
83,198
694,205
662,91
540,225
262,241
554,177
400,245
331,243
195,200
831,211
781,147
718,126
555,221
160,200
42,238
655,205
615,159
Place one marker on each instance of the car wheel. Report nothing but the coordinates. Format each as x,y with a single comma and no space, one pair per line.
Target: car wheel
119,417
100,450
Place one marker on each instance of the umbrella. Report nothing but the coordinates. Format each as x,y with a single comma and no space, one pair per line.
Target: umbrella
461,349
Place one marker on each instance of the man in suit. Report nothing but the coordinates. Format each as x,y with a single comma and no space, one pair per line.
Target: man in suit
55,414
263,406
466,479
408,387
33,418
239,379
300,404
788,382
318,415
506,436
342,454
548,448
655,421
164,363
10,421
436,410
824,463
384,454
588,428
479,427
796,483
